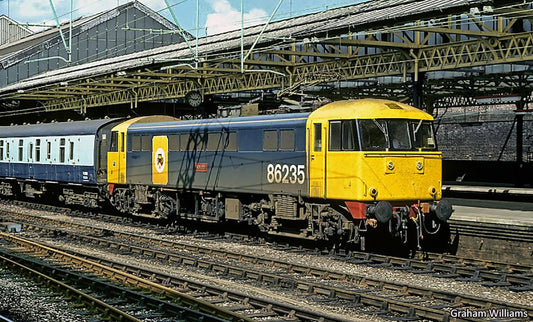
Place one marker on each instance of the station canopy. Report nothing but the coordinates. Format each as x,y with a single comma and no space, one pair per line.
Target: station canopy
429,53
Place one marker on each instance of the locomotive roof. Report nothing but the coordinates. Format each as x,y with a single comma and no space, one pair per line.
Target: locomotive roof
369,109
262,121
54,129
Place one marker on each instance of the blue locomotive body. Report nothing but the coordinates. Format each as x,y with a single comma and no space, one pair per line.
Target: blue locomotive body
261,154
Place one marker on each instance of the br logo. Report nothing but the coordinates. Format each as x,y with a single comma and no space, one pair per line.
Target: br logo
159,160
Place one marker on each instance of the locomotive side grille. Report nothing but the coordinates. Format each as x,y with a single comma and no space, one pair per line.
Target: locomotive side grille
286,206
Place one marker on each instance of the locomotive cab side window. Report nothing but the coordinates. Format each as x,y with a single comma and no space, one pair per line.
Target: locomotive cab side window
318,136
343,136
114,142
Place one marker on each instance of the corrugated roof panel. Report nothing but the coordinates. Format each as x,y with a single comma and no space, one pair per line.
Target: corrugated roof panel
10,31
356,17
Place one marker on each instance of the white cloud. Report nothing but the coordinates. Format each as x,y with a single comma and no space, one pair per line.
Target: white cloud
226,18
34,9
39,11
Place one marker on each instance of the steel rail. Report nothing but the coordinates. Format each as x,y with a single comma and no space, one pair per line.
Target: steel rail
357,296
186,301
269,306
87,300
516,277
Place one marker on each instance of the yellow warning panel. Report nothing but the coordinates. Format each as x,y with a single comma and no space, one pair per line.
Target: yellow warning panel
159,160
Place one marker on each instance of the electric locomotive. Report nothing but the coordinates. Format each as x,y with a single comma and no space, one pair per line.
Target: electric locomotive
348,170
342,172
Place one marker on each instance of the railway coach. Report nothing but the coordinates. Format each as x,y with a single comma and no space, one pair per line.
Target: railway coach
342,172
63,161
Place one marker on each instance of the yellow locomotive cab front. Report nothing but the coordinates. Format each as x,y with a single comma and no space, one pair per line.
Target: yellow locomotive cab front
368,152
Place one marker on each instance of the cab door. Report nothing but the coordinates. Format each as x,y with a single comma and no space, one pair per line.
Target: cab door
116,158
317,159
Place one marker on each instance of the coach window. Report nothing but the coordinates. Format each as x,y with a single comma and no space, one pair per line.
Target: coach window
286,140
48,150
270,140
62,150
214,141
21,149
71,151
146,143
1,149
318,137
174,142
7,150
30,152
230,143
38,150
136,143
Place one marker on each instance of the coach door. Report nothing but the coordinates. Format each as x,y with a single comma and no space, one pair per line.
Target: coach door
317,159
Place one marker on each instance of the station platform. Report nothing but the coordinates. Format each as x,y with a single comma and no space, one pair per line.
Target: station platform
488,190
514,217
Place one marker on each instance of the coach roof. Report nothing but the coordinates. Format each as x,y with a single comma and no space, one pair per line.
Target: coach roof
54,129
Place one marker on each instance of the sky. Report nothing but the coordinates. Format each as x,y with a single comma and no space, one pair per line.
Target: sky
215,16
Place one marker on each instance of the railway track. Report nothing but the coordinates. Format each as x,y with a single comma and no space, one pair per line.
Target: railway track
116,303
386,297
489,273
213,303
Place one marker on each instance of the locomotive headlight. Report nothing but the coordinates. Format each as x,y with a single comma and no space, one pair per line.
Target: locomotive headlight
419,166
390,165
432,191
373,192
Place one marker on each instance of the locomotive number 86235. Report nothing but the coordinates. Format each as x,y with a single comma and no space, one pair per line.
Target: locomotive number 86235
347,171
